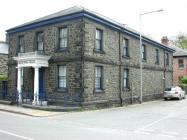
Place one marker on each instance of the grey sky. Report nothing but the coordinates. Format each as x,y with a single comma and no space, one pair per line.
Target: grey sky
169,22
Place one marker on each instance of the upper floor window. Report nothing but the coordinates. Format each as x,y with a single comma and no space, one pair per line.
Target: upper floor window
98,78
98,40
40,42
125,47
21,44
167,58
157,56
181,63
63,37
126,78
62,77
144,52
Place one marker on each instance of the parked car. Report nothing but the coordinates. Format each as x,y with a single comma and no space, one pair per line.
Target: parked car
174,92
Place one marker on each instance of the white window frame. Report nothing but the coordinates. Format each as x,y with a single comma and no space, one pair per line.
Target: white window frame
63,38
62,75
40,41
98,78
125,47
98,40
126,78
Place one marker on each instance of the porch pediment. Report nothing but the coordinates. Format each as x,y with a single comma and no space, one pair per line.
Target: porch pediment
32,59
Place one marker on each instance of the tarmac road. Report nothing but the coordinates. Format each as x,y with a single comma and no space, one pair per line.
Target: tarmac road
157,120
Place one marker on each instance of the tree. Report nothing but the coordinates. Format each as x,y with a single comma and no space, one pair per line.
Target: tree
181,41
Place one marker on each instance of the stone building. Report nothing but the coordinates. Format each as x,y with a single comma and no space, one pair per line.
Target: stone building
79,52
3,66
179,61
3,58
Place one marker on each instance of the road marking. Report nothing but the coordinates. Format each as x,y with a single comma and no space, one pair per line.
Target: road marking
164,135
15,135
170,133
141,132
151,124
146,130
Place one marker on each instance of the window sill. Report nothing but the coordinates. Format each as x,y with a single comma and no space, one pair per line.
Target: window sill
62,50
126,89
144,60
99,91
62,90
100,52
126,57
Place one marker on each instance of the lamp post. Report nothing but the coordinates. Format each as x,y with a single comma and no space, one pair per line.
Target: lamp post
140,19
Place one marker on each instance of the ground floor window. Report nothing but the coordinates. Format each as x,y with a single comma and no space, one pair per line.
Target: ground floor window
126,79
98,77
62,77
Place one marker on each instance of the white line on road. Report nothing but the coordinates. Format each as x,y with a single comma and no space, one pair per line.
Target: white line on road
15,135
170,133
163,135
146,130
151,124
141,132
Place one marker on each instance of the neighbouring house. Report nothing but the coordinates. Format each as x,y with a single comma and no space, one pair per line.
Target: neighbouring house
79,53
3,65
179,61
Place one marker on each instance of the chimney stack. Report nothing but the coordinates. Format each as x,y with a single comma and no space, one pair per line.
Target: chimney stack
165,40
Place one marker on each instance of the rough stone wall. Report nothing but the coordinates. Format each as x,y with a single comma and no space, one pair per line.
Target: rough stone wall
81,59
112,62
71,57
110,82
3,64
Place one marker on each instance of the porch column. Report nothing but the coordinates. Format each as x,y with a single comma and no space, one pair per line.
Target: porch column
36,86
19,84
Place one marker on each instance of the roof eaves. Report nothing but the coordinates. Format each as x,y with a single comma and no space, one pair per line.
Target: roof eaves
87,14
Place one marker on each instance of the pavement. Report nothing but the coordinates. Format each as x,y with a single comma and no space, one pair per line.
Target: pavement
28,111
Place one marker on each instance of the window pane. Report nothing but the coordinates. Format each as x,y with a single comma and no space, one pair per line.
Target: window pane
98,77
125,83
63,43
98,40
21,44
40,46
98,45
62,76
62,70
63,32
181,63
98,72
143,52
98,83
62,81
63,38
40,37
125,47
98,34
125,78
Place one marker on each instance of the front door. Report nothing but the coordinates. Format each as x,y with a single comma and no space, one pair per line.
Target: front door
41,84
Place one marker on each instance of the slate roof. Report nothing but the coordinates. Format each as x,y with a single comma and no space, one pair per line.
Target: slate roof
179,51
96,16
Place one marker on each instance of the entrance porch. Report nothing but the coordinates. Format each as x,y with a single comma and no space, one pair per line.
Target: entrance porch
37,61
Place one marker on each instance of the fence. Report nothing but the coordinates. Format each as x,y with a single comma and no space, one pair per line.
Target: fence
44,98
